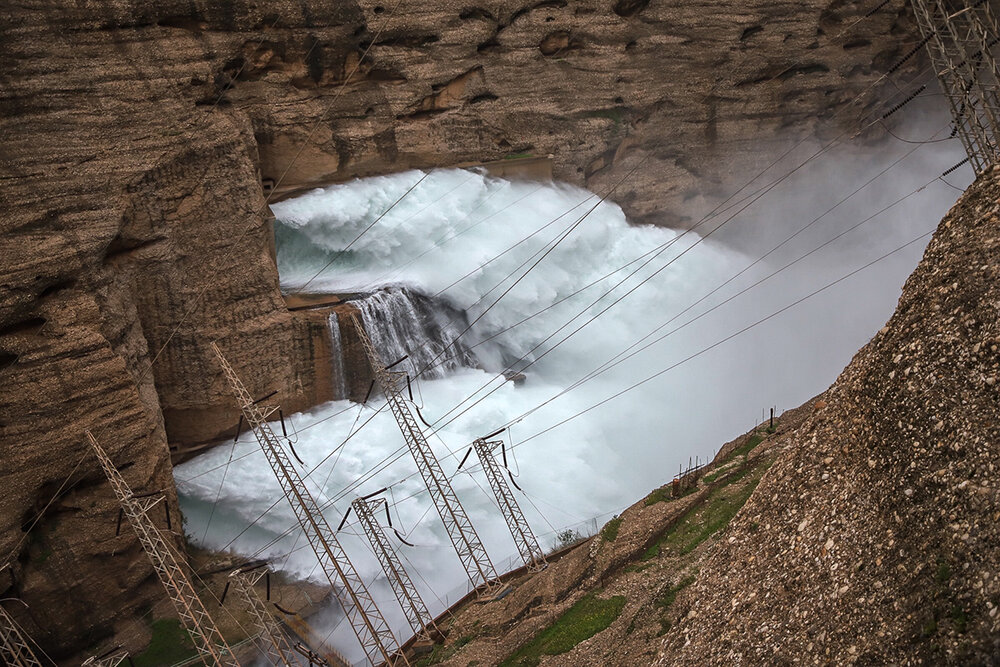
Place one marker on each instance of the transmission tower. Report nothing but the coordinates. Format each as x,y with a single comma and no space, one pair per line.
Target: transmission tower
270,638
409,599
208,641
14,646
960,35
463,535
525,540
366,620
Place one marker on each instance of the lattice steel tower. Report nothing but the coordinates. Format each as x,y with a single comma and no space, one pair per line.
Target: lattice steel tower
14,647
409,599
960,37
463,535
208,641
527,544
366,620
270,638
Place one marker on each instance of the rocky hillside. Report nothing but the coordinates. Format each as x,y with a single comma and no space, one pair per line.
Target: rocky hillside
140,138
875,539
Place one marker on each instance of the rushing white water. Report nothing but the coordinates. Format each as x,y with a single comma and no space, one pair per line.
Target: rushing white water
467,240
404,323
339,377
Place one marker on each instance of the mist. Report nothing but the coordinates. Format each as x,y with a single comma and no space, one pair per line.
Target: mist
576,463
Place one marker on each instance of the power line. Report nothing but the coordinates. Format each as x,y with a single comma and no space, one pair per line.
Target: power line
622,356
728,338
647,279
757,195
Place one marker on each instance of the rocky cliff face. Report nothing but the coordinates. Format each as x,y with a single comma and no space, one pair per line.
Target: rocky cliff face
140,139
874,538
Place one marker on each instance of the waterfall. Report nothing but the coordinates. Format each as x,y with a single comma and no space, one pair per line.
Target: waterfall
337,357
403,322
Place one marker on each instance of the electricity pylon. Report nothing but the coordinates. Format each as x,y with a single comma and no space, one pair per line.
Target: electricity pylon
464,538
960,35
14,647
207,639
524,538
270,638
409,599
366,620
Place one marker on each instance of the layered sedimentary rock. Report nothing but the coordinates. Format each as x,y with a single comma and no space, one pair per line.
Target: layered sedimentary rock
874,538
140,139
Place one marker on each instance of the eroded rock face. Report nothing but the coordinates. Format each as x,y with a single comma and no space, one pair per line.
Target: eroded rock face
137,136
874,539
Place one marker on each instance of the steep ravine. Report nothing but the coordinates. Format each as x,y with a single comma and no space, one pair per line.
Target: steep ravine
139,139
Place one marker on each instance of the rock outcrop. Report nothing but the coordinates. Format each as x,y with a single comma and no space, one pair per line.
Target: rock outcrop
875,538
140,139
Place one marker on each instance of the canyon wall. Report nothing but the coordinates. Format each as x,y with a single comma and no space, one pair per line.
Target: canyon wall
140,142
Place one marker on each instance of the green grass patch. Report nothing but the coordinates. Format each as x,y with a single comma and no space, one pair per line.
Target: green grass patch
659,495
610,530
708,479
170,643
578,623
719,509
709,517
667,599
746,447
442,653
517,156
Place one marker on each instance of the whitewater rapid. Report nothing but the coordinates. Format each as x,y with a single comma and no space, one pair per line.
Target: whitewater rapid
574,464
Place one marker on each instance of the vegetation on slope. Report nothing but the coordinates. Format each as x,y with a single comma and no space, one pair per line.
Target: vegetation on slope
709,517
580,622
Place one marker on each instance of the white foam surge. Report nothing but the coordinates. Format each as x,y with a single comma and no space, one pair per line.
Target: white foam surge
404,323
452,223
